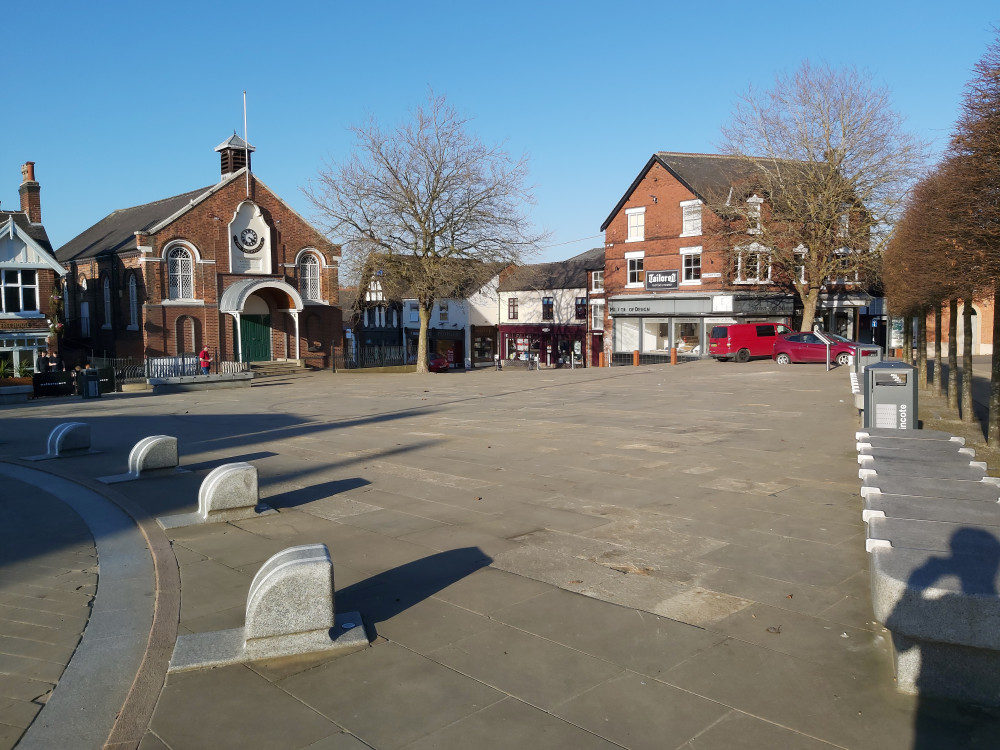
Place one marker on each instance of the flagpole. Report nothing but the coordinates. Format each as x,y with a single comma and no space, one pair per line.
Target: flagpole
246,143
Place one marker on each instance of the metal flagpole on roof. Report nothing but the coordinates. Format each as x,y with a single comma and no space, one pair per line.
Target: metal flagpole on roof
246,143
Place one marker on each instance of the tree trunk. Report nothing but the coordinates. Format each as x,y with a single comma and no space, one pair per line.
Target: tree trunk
938,377
908,339
967,413
809,303
424,310
953,353
993,427
922,348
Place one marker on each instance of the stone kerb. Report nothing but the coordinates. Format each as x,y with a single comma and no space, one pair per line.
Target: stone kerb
153,453
290,610
229,493
66,439
879,484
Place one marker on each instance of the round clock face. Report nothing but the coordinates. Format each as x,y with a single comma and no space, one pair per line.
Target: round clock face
248,237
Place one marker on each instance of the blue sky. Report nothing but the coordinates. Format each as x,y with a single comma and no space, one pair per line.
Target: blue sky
122,103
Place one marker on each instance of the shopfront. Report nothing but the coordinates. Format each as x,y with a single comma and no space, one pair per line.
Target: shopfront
553,345
655,325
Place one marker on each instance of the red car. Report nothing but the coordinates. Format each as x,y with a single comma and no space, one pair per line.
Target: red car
811,347
437,363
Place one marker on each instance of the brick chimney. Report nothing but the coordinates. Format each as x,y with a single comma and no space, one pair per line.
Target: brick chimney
31,193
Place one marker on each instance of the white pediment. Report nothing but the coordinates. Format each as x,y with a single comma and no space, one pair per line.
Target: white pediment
18,250
249,240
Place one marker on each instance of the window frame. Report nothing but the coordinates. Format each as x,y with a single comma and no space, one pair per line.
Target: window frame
581,308
759,251
754,203
686,253
596,305
309,278
512,308
178,273
640,225
133,303
6,285
691,225
106,316
597,281
548,308
443,311
638,273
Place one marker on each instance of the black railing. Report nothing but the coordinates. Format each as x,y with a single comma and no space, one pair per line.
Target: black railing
370,356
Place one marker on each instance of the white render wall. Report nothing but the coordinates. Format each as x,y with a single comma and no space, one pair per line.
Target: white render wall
529,306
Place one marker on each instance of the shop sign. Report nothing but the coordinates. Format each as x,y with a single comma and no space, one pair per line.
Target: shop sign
659,280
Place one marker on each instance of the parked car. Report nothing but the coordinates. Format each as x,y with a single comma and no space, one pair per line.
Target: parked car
437,363
810,347
741,341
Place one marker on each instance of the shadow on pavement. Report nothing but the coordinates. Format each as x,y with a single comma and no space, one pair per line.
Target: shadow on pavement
383,596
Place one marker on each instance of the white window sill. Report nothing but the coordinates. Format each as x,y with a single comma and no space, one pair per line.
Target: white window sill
753,282
188,302
315,302
22,316
690,234
639,285
635,239
597,291
696,282
132,328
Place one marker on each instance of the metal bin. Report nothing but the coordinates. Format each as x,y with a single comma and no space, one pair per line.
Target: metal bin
866,354
890,390
90,383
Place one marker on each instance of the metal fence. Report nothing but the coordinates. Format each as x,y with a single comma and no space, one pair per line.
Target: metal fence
370,356
129,371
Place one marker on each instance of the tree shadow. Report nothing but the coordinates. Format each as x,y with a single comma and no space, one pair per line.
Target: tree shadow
937,673
383,596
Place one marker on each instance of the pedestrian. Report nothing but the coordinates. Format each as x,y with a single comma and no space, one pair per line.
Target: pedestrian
42,363
55,364
205,359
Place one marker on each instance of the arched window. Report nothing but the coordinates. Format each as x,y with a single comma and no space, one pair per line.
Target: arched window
180,274
106,309
309,277
133,303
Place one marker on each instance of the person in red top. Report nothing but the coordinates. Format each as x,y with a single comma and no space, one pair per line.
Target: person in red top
205,359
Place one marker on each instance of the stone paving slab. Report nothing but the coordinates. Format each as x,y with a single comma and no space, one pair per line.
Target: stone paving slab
626,535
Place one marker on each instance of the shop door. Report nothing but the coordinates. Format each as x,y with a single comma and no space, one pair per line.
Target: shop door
255,331
596,347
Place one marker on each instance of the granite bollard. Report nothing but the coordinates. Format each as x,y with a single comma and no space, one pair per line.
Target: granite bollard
290,610
149,454
66,439
229,493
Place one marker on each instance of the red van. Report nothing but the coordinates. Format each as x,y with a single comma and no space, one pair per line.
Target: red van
741,341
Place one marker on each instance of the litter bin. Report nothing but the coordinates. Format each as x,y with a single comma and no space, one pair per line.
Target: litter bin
891,396
90,383
867,354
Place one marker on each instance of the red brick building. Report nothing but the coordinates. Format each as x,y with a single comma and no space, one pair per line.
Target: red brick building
666,287
230,265
29,278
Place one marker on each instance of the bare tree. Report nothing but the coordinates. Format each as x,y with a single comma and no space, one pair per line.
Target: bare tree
826,164
976,147
428,206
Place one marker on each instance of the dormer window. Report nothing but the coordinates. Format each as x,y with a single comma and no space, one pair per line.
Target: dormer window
690,218
636,224
753,214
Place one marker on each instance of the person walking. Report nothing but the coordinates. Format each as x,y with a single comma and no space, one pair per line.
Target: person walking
205,359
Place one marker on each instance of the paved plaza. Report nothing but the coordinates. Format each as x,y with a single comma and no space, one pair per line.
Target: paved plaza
643,557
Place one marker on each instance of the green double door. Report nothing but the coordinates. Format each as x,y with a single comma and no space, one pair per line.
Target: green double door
255,335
